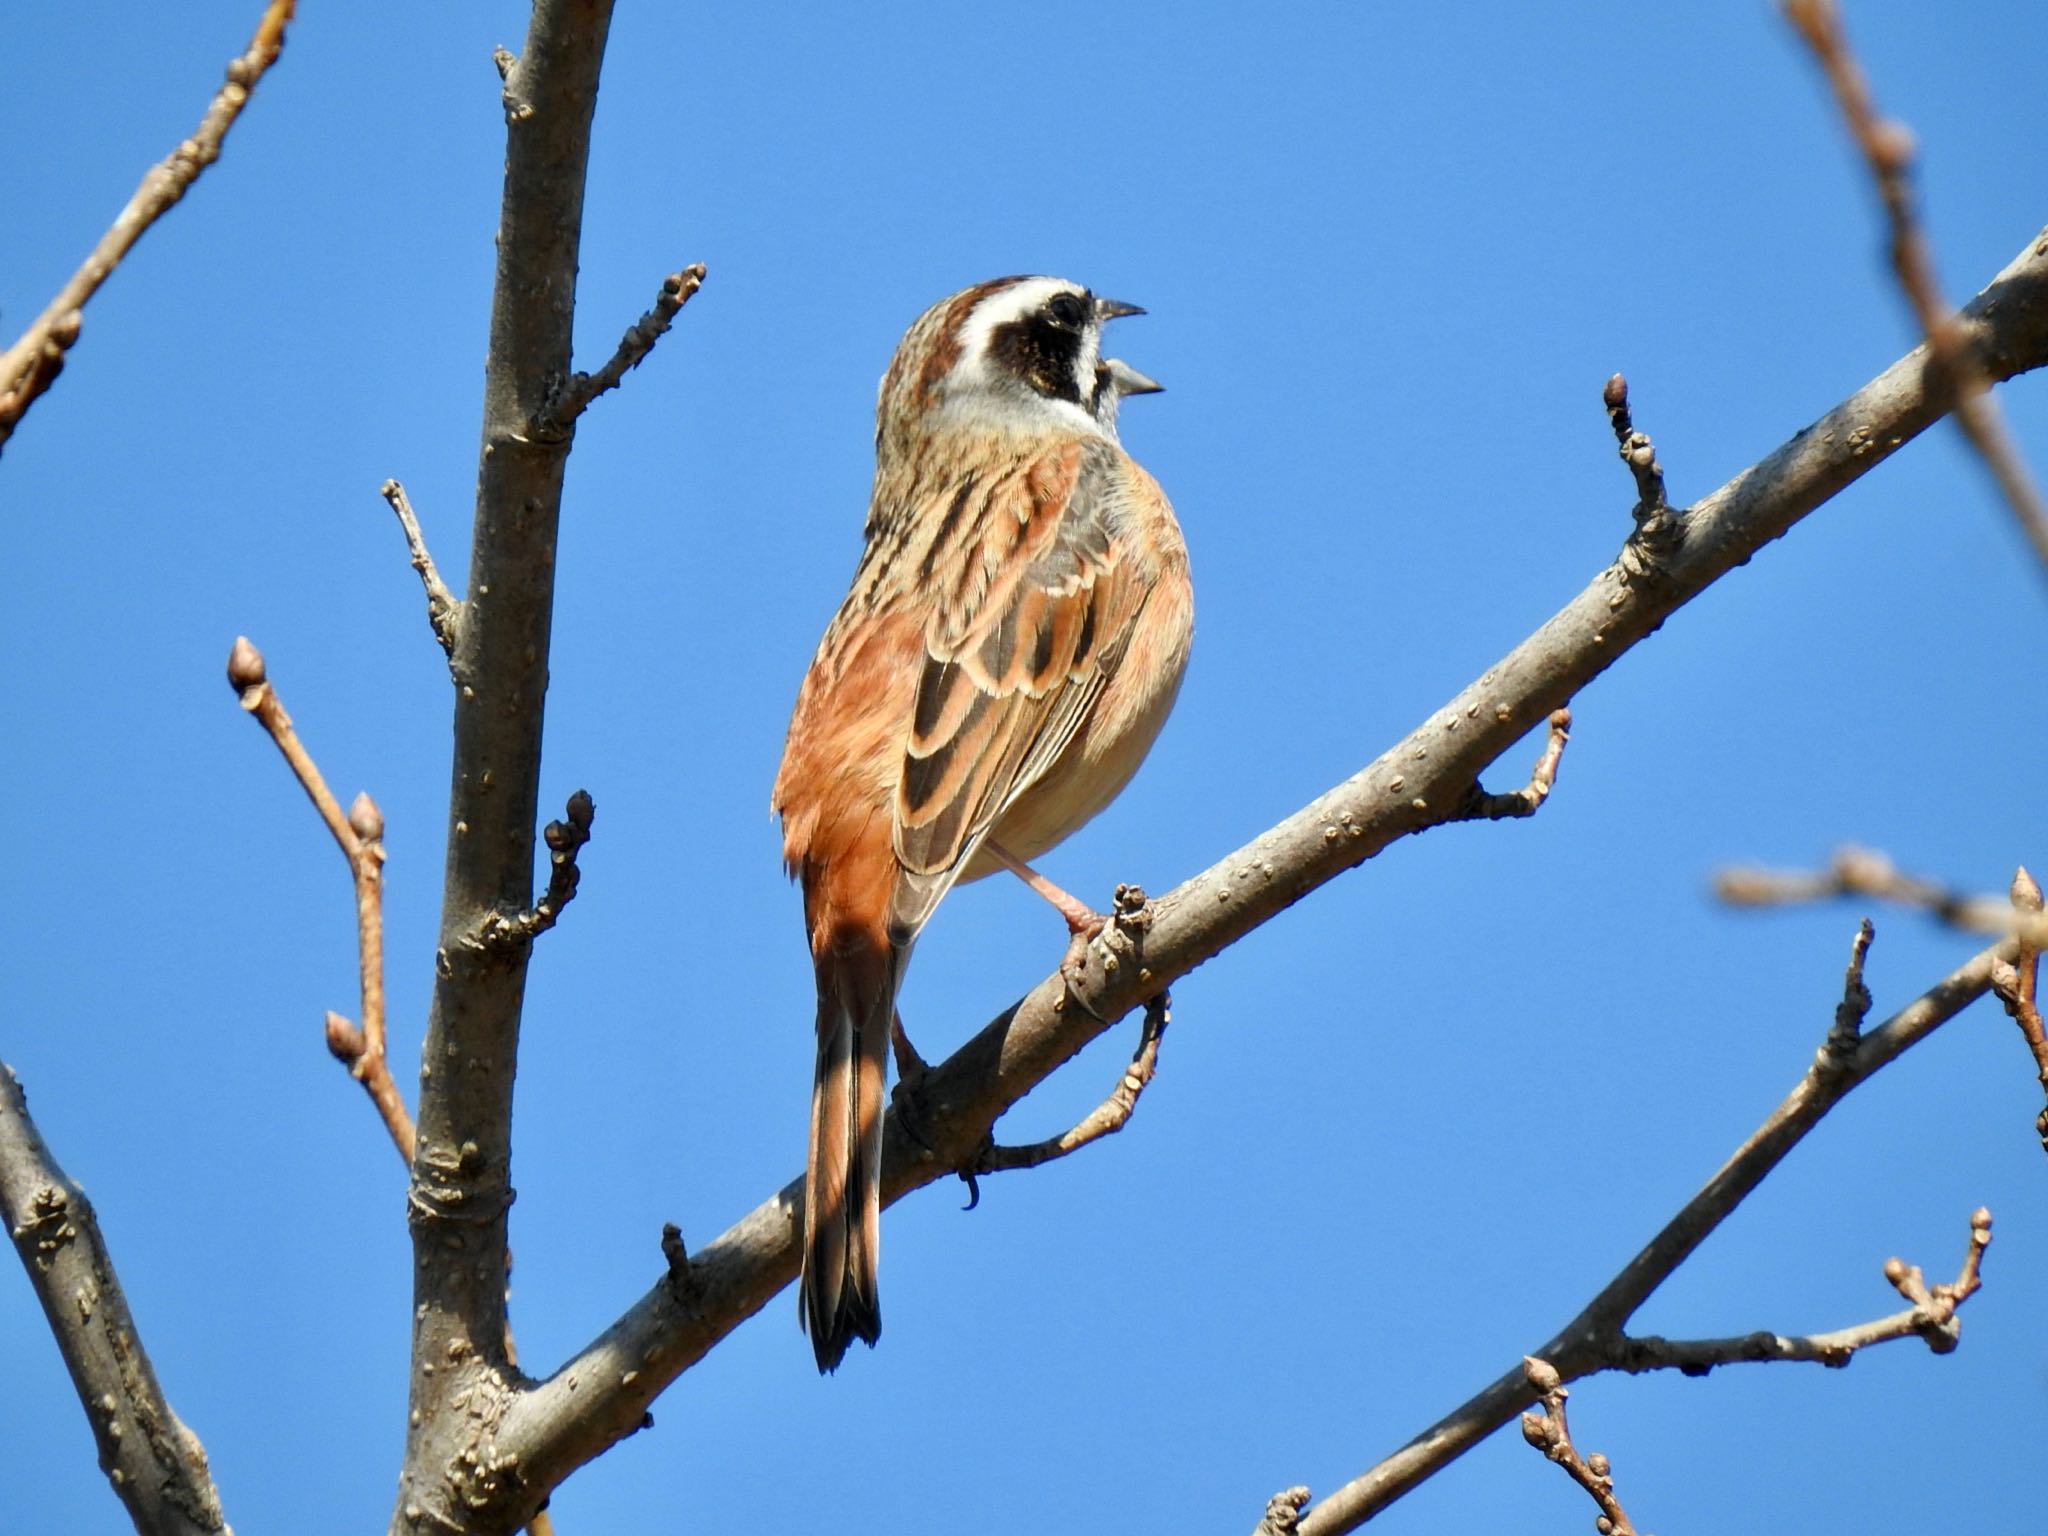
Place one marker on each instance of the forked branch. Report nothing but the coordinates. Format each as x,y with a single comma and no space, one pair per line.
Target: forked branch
360,836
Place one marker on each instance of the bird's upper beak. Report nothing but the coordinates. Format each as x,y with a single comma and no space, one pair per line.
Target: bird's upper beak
1115,309
1128,380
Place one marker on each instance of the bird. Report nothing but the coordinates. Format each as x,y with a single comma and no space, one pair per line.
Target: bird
1013,638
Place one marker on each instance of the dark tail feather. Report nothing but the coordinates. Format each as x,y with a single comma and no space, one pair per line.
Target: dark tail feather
843,1174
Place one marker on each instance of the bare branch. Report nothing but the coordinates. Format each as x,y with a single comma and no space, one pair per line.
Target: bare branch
444,608
1283,1512
565,839
1549,1433
32,364
579,389
1657,525
2016,984
1107,1118
598,1396
1854,1007
360,836
156,1465
1596,1339
1861,872
1527,800
1888,150
453,1473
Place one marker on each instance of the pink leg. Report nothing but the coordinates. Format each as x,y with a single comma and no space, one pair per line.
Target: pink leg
1082,920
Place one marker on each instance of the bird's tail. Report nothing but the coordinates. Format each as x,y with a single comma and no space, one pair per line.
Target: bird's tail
843,1173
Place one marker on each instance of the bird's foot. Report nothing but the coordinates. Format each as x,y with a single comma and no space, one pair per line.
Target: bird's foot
907,1097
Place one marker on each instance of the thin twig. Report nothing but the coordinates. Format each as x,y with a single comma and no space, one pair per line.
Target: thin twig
1931,1317
156,1465
444,608
2016,983
1887,148
1657,526
1527,800
32,364
1861,872
1854,1007
1106,1118
360,836
1550,1434
579,389
1597,1340
565,839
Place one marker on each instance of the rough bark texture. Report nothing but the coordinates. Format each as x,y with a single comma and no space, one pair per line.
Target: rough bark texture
1424,781
461,1186
154,1462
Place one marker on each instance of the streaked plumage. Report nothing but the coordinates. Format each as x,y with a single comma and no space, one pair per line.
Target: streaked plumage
1013,639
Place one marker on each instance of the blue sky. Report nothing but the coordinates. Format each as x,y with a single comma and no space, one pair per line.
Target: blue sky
1390,255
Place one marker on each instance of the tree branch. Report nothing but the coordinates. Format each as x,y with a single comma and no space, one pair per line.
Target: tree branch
600,1395
576,392
1861,872
1595,1340
1888,150
2016,984
1550,1434
360,836
1106,1119
156,1465
453,1477
444,608
32,364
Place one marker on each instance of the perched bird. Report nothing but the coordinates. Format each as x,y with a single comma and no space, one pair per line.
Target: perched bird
1013,639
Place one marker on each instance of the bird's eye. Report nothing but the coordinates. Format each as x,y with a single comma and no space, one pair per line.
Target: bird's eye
1066,310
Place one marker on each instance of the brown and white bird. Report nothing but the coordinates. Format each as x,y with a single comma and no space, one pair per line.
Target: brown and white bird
1013,640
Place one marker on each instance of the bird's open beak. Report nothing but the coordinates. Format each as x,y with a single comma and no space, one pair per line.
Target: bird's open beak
1115,309
1128,380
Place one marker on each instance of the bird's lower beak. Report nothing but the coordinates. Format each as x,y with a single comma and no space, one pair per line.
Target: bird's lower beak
1128,380
1115,309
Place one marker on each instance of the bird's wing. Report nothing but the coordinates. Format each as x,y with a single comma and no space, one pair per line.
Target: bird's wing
1035,603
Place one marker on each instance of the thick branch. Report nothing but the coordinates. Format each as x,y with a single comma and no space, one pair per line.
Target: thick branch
1887,149
32,364
461,1185
1595,1340
156,1465
600,1395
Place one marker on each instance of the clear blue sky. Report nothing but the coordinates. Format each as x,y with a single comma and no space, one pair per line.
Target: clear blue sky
1390,255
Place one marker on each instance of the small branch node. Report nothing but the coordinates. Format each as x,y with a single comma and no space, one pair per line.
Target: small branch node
1526,801
1658,529
505,59
572,396
1854,1007
564,839
682,1280
1283,1512
444,608
2016,983
1106,1119
1544,1427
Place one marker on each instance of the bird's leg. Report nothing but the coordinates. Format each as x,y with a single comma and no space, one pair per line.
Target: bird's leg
1083,921
910,1074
